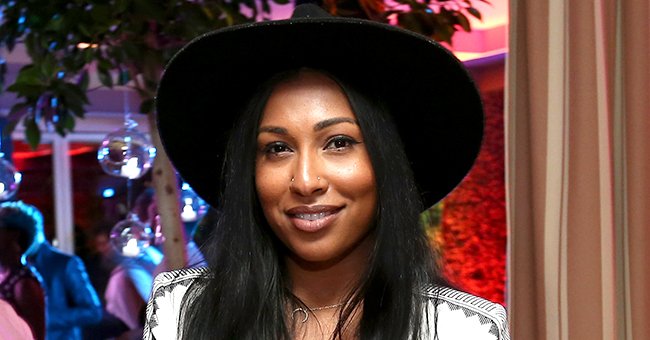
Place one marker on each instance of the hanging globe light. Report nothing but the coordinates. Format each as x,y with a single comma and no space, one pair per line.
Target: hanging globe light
127,152
130,237
192,206
10,179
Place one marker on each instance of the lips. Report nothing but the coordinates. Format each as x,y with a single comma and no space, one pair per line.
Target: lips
313,218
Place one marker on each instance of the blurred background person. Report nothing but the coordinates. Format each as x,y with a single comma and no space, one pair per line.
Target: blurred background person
124,296
131,280
12,326
129,283
142,268
19,282
72,302
193,211
102,266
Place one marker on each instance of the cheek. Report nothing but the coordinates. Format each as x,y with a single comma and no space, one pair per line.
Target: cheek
357,178
269,187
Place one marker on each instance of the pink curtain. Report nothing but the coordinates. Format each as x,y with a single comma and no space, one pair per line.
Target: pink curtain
578,169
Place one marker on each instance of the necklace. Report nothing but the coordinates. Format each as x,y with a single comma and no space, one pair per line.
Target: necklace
306,315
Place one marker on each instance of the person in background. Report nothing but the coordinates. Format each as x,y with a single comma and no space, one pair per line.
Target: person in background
102,265
12,326
130,281
72,302
20,284
124,299
194,256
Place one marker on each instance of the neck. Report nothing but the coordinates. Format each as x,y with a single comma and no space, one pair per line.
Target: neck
329,283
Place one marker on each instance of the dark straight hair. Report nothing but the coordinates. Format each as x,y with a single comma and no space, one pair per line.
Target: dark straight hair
247,294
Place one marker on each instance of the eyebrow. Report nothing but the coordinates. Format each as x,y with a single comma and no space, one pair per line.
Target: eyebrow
317,127
333,121
273,129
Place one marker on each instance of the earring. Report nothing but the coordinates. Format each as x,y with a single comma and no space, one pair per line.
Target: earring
292,179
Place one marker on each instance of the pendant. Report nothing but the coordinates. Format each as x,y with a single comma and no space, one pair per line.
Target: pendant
300,310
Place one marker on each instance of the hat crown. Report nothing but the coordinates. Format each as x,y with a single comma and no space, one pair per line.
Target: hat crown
427,91
309,10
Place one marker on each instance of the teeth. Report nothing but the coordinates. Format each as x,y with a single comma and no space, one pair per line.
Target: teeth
312,217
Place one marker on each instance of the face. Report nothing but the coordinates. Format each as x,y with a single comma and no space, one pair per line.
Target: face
313,177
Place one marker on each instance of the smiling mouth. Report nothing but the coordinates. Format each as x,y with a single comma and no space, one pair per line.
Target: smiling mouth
316,216
313,219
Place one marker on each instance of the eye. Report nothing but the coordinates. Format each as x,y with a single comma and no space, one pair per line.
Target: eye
340,143
276,149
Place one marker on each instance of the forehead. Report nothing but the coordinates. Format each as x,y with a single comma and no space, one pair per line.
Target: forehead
307,97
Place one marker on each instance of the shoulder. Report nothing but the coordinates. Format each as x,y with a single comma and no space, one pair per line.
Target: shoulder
171,280
13,326
49,259
163,309
29,274
460,315
28,286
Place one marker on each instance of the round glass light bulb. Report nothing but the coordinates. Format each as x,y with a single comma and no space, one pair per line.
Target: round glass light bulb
10,179
130,237
126,153
192,206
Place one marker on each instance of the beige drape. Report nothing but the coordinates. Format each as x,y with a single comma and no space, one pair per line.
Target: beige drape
578,169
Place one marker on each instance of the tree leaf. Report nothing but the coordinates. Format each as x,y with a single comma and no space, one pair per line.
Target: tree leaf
26,90
48,65
32,133
73,91
30,75
18,111
121,5
105,77
85,30
148,9
463,22
68,122
101,13
84,79
475,13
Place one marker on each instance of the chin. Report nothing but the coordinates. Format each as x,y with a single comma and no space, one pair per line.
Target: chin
315,258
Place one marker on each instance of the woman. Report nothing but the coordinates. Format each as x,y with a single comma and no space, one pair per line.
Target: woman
314,130
12,326
19,285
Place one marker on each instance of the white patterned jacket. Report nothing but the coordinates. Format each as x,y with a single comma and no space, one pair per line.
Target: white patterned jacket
460,316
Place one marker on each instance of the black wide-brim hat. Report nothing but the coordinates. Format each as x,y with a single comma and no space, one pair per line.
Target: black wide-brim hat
431,97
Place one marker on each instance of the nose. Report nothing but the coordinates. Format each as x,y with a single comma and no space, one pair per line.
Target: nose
308,178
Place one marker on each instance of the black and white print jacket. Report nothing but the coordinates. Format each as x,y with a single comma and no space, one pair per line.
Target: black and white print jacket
460,316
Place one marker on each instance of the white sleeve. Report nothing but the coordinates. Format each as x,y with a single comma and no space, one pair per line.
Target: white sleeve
163,310
457,315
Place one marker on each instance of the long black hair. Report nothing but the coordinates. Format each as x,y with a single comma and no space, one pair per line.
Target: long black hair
247,292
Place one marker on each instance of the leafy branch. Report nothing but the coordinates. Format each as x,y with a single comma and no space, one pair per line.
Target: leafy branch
124,42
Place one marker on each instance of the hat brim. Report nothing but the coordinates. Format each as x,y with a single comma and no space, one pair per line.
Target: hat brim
432,98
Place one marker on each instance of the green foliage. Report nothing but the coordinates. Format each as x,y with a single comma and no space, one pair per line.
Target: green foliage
438,19
128,42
